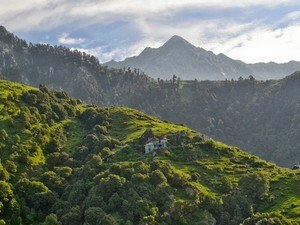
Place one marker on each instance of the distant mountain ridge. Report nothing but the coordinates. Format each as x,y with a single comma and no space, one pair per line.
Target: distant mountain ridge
179,57
261,117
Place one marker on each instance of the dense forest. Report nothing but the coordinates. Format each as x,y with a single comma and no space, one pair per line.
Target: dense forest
261,117
64,162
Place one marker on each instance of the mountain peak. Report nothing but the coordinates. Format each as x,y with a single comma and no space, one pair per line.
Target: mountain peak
3,30
10,38
176,40
176,37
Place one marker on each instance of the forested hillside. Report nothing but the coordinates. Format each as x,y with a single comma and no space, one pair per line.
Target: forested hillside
76,72
63,162
261,117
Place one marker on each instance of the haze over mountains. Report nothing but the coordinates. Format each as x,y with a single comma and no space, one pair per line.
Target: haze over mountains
179,57
261,117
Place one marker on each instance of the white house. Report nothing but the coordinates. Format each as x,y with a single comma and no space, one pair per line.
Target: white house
155,143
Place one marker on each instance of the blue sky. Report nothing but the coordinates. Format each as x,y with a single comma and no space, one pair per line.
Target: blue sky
250,30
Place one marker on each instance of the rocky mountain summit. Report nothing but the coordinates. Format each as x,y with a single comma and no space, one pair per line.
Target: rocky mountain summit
179,57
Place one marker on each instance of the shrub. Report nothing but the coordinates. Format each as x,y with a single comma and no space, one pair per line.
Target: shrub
157,177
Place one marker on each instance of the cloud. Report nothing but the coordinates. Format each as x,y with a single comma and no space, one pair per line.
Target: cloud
150,7
31,15
237,28
65,39
196,31
264,44
47,14
291,17
248,42
105,54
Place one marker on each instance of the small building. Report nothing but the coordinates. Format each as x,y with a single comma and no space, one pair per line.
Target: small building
155,143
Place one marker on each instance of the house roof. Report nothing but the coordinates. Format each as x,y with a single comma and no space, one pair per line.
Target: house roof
147,134
152,139
148,144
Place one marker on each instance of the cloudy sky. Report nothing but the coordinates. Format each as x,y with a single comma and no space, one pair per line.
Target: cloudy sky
250,30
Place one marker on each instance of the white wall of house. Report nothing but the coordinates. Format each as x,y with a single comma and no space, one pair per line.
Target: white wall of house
149,148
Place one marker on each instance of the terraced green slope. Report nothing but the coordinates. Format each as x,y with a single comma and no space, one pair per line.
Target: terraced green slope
63,162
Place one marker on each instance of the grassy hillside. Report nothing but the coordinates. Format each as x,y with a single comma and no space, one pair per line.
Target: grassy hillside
63,162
